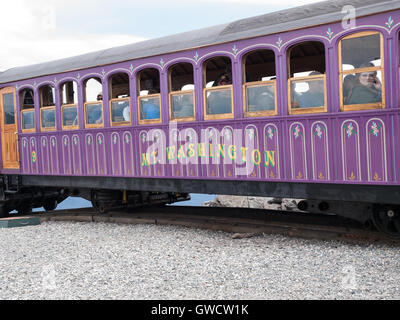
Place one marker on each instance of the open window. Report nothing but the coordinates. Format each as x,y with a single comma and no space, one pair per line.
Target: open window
361,69
218,94
47,108
259,83
93,103
181,92
307,79
149,98
120,108
27,107
69,105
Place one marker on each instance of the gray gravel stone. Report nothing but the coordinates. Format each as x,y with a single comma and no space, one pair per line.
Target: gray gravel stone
60,260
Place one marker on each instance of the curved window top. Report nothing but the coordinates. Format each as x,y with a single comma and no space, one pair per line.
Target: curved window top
181,96
307,80
259,83
26,98
360,50
47,96
93,90
217,72
69,93
305,58
148,82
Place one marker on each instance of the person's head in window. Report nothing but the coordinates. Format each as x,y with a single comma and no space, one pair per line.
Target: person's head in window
223,79
369,79
368,88
349,82
100,96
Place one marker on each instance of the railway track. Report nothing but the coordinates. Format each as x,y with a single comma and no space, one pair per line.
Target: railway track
242,222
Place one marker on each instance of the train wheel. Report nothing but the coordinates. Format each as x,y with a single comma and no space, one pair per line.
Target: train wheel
50,204
387,221
25,209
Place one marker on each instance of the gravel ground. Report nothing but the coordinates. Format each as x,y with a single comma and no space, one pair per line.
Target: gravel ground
59,260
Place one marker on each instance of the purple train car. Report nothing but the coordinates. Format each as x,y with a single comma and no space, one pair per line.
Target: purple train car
301,103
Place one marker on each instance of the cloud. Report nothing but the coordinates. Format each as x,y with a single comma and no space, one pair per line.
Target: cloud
30,35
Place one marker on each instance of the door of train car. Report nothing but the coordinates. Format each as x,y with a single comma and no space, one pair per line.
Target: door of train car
9,132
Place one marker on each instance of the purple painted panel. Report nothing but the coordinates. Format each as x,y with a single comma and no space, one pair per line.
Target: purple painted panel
54,164
188,153
116,161
320,151
175,163
229,152
158,153
26,156
253,155
211,153
34,156
101,154
128,155
271,152
298,155
76,155
66,155
376,150
90,151
145,167
350,135
45,155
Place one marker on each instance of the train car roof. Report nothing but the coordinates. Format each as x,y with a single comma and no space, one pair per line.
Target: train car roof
270,23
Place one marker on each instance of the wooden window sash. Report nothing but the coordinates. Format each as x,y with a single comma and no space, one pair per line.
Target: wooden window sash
22,121
67,128
365,106
120,123
45,129
94,125
149,121
184,119
217,116
262,113
321,109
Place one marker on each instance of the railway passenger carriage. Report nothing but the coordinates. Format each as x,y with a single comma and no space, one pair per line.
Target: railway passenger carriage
194,93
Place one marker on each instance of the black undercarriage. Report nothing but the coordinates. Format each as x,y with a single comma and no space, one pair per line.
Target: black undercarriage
377,205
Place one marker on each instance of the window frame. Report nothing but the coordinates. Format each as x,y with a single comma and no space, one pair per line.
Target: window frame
93,125
321,109
184,119
68,128
342,73
222,115
44,129
34,121
149,121
262,113
121,123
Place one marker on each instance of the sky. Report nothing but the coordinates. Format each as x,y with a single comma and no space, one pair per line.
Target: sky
44,30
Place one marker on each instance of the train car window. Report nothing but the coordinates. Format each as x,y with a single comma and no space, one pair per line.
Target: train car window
47,108
28,120
181,92
9,111
27,104
93,98
217,92
307,79
259,83
149,98
362,84
120,108
69,105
